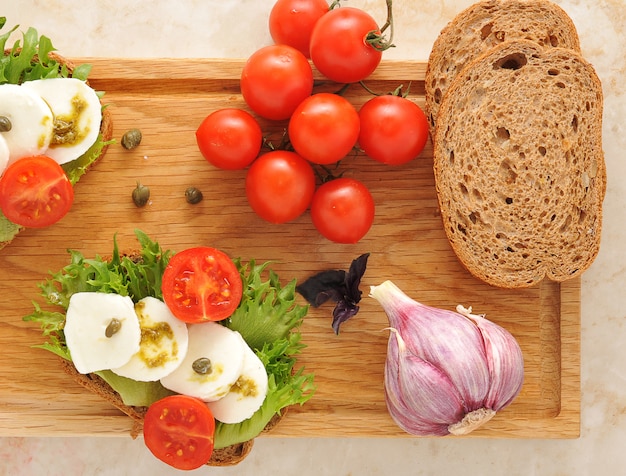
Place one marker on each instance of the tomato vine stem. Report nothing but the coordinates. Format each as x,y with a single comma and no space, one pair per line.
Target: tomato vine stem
376,38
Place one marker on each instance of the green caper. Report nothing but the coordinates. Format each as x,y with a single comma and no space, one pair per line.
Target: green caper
193,195
131,139
141,195
202,366
5,124
113,328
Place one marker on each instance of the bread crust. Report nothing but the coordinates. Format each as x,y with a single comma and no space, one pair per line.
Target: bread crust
106,126
519,166
485,25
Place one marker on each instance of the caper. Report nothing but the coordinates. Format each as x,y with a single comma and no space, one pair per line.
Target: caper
193,195
202,366
113,328
141,195
131,139
5,124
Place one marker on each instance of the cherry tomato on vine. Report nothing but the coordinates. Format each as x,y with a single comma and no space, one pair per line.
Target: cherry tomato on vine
280,185
338,45
342,210
35,192
324,128
229,138
275,79
179,431
201,284
394,130
291,22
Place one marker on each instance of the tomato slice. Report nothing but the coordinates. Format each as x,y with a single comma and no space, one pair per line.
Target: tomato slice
179,431
201,284
35,192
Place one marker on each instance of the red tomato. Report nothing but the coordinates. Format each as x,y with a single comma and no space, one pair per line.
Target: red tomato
275,79
35,192
291,22
179,431
201,284
324,128
343,210
338,47
280,186
229,138
394,130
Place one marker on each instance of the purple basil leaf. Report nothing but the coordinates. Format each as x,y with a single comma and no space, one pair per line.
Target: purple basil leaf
342,312
323,286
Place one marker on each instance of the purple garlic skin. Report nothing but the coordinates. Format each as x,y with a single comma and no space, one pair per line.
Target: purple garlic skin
446,372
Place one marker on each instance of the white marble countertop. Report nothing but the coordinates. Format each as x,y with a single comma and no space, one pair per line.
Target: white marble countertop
236,28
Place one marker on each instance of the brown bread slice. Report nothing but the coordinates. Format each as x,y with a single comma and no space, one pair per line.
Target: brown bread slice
106,126
485,25
519,165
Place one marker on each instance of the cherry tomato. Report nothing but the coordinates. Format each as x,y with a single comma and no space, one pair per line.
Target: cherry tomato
179,431
338,46
280,186
342,210
324,128
201,284
275,79
229,138
291,22
35,192
394,130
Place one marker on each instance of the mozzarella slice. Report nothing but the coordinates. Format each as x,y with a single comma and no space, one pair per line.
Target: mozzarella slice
246,395
4,154
89,319
31,121
163,345
225,353
77,115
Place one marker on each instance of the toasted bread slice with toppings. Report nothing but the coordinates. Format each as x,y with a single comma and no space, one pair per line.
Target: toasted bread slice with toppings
519,165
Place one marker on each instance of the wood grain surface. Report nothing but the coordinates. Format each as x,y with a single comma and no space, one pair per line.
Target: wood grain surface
167,99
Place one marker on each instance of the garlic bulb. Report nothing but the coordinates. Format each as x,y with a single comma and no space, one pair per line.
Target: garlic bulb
446,372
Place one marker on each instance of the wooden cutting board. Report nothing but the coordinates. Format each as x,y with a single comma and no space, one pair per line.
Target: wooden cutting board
167,99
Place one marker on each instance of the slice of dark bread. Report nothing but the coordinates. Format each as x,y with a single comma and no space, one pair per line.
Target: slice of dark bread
106,125
519,165
485,25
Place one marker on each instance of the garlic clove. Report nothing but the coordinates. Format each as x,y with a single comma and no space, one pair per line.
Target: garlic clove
420,398
504,358
445,339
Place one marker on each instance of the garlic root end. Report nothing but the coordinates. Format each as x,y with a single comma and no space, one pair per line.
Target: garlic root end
471,421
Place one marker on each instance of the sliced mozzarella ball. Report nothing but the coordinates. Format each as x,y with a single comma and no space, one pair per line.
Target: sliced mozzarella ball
77,115
101,331
246,395
222,353
31,121
163,343
4,154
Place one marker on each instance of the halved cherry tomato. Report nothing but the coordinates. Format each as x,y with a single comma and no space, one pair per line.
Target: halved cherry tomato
280,185
324,128
394,130
342,210
179,431
201,284
291,22
229,138
35,192
274,80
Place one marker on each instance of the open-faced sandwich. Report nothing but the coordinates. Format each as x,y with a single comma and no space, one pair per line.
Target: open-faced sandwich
53,128
198,349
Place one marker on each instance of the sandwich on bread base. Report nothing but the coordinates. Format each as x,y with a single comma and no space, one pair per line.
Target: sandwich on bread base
519,165
484,25
34,61
267,315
